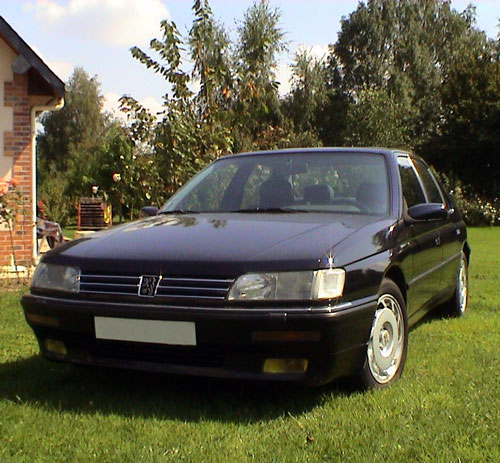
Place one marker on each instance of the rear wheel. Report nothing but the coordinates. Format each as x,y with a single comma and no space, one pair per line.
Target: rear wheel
458,303
387,345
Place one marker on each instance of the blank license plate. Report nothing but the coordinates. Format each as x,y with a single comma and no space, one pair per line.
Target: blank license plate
154,331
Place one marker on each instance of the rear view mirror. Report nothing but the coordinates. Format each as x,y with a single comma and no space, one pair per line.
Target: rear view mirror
148,211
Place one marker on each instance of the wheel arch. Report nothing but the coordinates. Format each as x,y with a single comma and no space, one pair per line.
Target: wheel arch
395,274
466,250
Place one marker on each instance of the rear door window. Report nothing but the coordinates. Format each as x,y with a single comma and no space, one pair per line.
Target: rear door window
429,182
412,189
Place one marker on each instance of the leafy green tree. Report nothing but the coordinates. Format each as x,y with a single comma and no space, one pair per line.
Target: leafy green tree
189,133
127,177
210,52
376,120
406,48
75,127
236,105
309,91
256,106
82,147
65,147
466,144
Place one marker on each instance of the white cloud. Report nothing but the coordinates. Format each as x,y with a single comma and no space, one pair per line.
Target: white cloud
152,104
111,105
62,69
284,71
319,52
115,22
284,76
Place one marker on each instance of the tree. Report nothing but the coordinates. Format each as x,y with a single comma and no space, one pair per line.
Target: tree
75,126
376,120
189,133
236,106
127,177
466,144
419,75
256,106
309,91
82,147
406,48
65,147
210,53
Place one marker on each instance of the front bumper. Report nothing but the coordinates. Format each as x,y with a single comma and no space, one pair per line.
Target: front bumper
226,345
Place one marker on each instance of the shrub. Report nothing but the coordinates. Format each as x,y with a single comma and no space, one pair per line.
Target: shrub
58,206
476,210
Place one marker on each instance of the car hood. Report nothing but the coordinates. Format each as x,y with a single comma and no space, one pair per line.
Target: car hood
211,244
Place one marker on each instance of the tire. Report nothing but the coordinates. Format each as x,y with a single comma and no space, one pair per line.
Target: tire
457,305
388,342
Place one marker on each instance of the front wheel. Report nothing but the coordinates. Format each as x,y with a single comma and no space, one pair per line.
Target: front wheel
388,342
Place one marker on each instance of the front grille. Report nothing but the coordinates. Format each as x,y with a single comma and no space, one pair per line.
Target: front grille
194,287
173,288
109,284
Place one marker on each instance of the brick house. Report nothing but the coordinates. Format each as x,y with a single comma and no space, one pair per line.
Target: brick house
27,87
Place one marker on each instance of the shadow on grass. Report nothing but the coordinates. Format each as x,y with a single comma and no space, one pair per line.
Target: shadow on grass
66,387
440,313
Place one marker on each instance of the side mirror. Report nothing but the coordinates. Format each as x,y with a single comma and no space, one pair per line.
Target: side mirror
148,211
428,211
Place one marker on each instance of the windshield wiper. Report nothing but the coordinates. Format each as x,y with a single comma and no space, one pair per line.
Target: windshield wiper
253,210
257,210
178,211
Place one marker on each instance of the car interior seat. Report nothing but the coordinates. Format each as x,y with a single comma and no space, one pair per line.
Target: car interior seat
318,194
275,192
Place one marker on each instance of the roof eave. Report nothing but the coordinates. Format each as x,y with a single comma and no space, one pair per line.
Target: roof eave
15,41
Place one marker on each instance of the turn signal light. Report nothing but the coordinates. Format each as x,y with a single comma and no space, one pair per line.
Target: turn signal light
276,366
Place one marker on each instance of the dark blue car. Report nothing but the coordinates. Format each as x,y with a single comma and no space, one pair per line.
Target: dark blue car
299,265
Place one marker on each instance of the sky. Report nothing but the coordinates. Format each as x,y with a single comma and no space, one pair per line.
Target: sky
98,34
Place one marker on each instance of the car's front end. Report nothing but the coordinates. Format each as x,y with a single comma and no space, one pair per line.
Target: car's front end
312,344
298,325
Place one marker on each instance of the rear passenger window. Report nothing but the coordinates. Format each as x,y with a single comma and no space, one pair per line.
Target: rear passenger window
412,190
430,185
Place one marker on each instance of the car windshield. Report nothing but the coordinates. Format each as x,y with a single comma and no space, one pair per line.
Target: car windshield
331,182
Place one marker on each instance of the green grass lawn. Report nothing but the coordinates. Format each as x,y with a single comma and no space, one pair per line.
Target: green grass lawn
445,408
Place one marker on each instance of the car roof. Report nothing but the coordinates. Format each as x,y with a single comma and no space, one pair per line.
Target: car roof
278,152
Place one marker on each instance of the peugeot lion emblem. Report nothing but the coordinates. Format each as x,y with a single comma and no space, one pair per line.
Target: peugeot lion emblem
148,285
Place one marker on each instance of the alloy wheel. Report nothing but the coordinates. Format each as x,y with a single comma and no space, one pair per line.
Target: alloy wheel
387,339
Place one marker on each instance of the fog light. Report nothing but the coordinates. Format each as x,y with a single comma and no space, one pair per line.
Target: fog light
275,366
57,347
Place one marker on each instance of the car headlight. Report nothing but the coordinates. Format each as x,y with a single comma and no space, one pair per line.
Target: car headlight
283,286
57,277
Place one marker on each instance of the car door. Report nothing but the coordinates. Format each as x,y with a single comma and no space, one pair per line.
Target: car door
424,241
449,230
